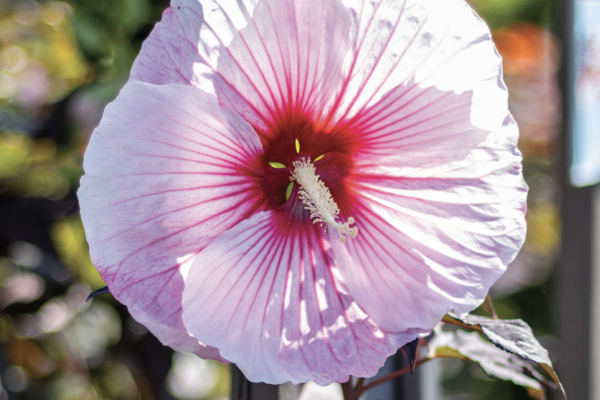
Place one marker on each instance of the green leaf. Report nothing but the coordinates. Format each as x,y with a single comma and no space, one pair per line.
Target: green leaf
511,335
495,363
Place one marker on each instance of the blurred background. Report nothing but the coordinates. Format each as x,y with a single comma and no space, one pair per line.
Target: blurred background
61,62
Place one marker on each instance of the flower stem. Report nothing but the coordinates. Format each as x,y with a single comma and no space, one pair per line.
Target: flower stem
359,384
360,389
348,391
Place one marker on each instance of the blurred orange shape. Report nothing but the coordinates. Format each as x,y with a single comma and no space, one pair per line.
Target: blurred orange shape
526,48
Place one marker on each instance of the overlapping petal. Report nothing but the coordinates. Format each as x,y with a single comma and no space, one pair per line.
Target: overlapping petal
170,53
266,59
268,294
437,185
434,239
165,172
421,76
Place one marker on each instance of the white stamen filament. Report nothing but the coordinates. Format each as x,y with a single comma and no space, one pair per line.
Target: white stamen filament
317,198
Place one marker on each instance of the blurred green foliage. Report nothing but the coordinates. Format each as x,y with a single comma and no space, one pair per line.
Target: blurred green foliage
109,34
502,13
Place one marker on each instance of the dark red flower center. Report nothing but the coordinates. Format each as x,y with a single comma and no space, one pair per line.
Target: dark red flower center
326,148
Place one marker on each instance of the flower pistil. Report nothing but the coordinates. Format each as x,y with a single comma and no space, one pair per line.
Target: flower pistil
317,198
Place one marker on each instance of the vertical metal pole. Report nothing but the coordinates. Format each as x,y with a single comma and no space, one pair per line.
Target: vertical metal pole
573,293
243,389
407,386
423,385
595,303
573,277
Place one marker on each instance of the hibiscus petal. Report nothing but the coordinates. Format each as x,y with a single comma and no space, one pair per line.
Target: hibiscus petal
272,300
423,80
434,239
170,53
165,172
260,57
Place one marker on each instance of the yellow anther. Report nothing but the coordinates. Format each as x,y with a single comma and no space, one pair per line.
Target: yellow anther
277,165
297,146
288,191
320,157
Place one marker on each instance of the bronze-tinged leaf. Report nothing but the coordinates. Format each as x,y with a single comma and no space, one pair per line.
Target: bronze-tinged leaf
511,335
495,362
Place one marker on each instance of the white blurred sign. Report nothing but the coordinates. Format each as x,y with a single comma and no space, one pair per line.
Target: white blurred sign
585,166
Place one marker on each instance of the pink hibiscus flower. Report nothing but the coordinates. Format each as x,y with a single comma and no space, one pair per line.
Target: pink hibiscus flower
302,187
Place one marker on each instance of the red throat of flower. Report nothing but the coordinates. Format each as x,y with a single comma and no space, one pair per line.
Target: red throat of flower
310,163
